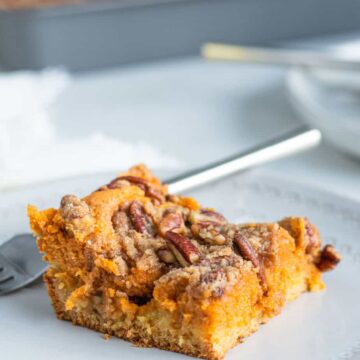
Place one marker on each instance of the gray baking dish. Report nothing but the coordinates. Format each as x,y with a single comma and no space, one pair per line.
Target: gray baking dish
104,33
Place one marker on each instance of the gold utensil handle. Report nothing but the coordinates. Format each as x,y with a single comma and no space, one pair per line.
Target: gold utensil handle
278,56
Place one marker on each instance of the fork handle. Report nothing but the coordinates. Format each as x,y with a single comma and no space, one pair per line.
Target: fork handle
291,143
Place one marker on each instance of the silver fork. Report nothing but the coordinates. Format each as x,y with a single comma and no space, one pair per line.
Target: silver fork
22,264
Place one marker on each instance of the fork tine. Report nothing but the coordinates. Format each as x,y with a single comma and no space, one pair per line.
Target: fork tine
8,286
6,279
19,280
11,276
7,273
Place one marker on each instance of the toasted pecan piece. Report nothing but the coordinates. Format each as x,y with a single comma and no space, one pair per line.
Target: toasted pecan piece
139,218
207,216
166,256
143,184
183,246
209,232
248,253
329,258
170,222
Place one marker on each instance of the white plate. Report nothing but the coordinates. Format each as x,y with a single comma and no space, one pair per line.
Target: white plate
323,325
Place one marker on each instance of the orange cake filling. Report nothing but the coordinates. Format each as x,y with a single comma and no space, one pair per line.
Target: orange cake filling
160,270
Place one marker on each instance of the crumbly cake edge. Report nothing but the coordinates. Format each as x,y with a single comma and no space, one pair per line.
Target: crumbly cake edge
143,341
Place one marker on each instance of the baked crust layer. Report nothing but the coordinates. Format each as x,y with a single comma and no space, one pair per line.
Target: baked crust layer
159,270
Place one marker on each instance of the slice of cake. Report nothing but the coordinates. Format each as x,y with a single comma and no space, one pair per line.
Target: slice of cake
130,260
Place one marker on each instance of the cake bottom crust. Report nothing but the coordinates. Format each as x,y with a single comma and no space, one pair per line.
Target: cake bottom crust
219,336
139,338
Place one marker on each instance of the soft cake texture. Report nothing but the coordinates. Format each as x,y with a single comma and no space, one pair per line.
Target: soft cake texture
130,260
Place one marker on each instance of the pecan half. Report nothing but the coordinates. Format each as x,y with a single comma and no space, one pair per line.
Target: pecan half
209,233
143,184
154,194
139,218
121,181
246,250
248,253
169,222
133,180
206,216
188,251
166,256
178,256
329,258
211,214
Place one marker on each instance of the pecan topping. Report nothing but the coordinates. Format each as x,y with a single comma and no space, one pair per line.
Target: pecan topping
143,184
329,258
209,233
132,180
246,250
154,194
211,214
166,256
206,216
216,279
139,218
183,246
121,181
72,207
169,222
248,253
219,262
120,221
181,260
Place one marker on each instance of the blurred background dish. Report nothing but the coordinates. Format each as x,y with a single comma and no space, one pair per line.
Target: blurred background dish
92,34
330,98
323,85
330,101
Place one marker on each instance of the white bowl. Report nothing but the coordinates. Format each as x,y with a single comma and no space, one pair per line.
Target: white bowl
330,101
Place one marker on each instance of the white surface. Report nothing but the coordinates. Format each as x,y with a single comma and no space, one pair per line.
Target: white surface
198,112
31,149
319,326
193,111
329,101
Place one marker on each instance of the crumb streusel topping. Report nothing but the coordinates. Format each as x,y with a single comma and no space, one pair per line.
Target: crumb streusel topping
131,234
